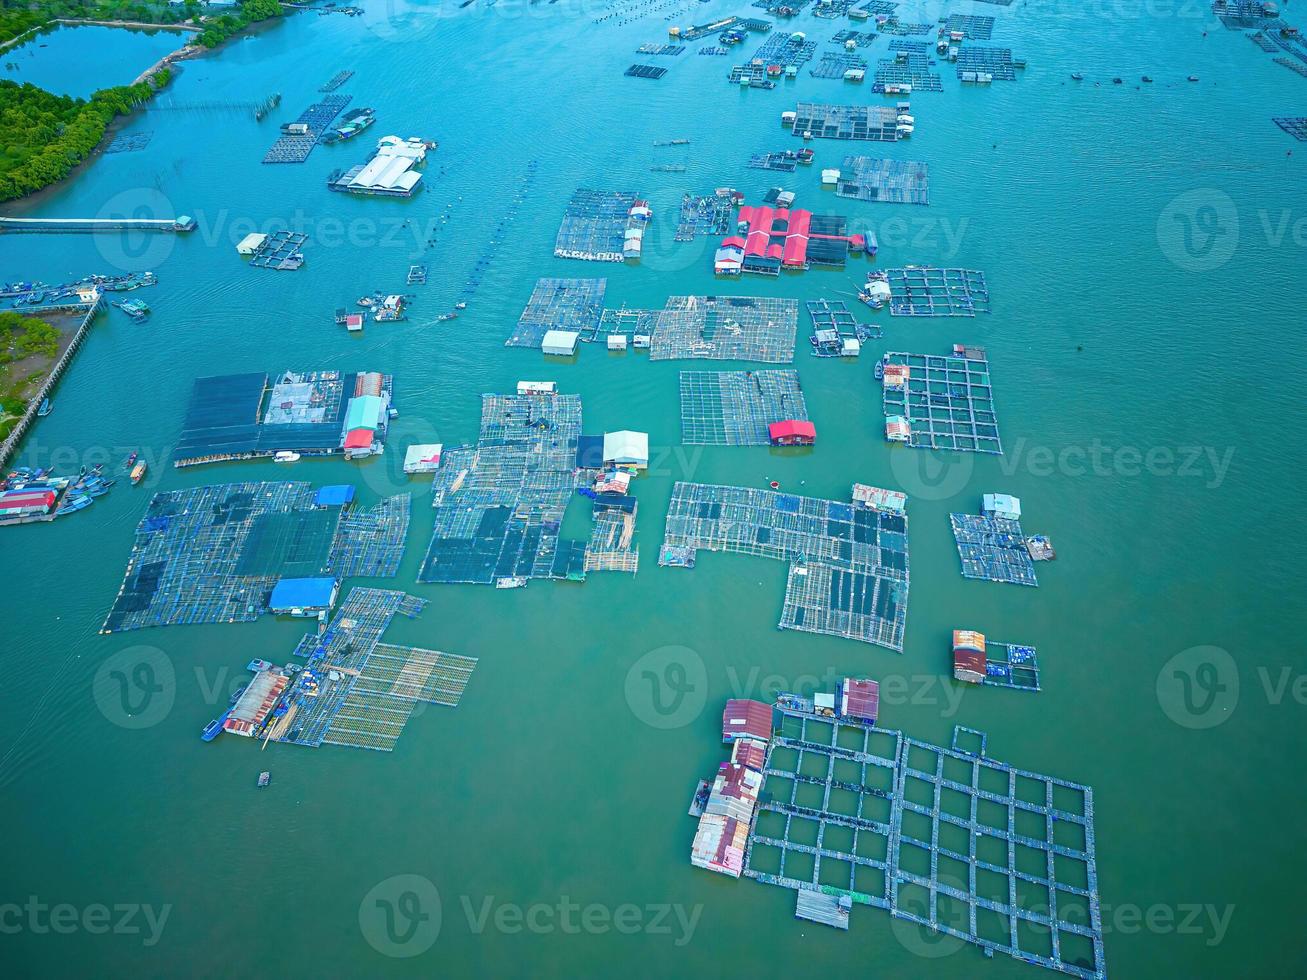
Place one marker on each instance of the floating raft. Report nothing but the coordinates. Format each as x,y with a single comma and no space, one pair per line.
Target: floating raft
212,554
280,251
1295,126
844,796
645,71
594,225
296,147
834,64
860,38
785,162
928,291
1011,665
667,50
887,181
756,75
995,62
1292,65
734,408
972,28
732,328
417,275
129,142
336,81
846,122
848,563
708,214
945,402
907,68
559,304
833,9
785,49
833,323
993,549
714,51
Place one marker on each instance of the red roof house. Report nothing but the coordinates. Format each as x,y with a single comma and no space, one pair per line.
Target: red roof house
792,432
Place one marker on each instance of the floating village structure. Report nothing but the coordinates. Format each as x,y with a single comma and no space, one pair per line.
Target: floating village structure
390,172
817,799
772,239
252,416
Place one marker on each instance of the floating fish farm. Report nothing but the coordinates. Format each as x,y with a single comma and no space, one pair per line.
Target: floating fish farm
846,122
734,408
941,402
499,505
352,689
280,251
726,328
995,62
708,214
928,291
559,304
907,68
834,326
1238,15
129,142
645,71
666,50
625,322
861,39
946,838
595,224
848,562
336,81
1011,665
212,554
1293,66
300,137
972,28
785,161
886,181
895,26
756,75
253,416
834,64
833,9
993,549
1295,126
785,49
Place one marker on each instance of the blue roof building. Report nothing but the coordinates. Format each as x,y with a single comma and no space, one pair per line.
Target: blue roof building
303,596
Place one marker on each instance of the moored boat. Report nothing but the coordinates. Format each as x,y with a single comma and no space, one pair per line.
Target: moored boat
138,472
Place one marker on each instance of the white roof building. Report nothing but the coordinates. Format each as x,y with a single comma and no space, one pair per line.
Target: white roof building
424,458
560,343
626,448
250,243
1001,505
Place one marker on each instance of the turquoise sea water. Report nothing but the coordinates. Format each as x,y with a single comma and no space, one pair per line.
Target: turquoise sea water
553,781
79,59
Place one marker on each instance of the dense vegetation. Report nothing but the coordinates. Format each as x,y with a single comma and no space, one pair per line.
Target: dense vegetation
22,336
43,136
16,17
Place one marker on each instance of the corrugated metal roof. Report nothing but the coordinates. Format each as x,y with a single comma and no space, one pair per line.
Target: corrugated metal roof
743,717
859,698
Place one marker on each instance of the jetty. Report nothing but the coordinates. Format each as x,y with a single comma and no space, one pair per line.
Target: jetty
56,226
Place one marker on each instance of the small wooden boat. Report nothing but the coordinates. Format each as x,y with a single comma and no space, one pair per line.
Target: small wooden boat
138,472
1076,76
286,456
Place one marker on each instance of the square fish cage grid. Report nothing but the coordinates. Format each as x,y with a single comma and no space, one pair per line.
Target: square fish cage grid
733,328
928,291
594,225
834,64
996,61
559,304
907,68
947,401
993,549
972,28
734,408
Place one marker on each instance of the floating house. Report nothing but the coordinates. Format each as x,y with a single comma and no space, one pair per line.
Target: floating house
305,597
626,449
744,718
969,656
537,387
771,239
390,172
885,501
1001,505
16,504
559,343
898,429
719,844
792,432
250,243
255,703
423,458
858,698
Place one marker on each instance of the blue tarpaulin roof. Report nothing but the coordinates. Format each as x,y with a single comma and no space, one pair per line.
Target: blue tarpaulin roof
302,593
335,495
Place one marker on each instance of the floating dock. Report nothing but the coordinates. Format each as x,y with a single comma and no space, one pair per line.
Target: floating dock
846,122
280,251
595,224
993,549
645,71
732,328
907,68
945,402
848,562
971,28
995,62
559,304
300,137
734,408
56,226
928,291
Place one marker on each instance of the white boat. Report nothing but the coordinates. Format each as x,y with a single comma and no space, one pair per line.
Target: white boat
510,582
286,456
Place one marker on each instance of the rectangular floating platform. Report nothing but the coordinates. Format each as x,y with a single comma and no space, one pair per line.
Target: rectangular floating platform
860,38
848,563
417,275
785,163
129,142
907,68
666,50
645,71
212,554
559,304
336,81
624,322
594,225
895,26
774,6
911,47
834,64
1011,665
783,49
296,147
833,9
846,122
993,549
928,291
833,323
876,7
612,546
953,841
734,408
972,28
947,401
1295,126
707,214
1294,66
886,181
715,51
280,251
755,74
996,62
729,328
